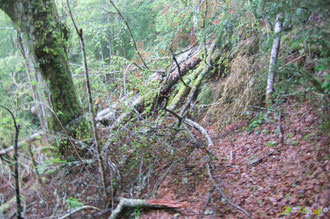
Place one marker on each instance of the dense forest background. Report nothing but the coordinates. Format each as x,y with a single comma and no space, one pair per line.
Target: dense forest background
164,108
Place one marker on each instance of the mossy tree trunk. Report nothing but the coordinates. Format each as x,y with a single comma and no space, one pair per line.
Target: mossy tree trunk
47,38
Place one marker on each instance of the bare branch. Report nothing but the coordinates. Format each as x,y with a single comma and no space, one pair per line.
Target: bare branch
91,109
218,188
18,198
179,70
30,139
130,32
79,209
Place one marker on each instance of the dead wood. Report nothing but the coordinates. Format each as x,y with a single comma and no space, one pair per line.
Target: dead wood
155,203
219,189
160,180
179,69
201,129
90,101
196,79
208,199
16,173
77,210
190,60
30,139
257,161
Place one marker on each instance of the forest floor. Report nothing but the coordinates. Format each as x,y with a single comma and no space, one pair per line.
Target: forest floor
276,166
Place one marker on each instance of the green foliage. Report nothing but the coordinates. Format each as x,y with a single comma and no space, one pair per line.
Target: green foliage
48,163
7,35
16,94
72,203
173,23
137,213
272,144
255,123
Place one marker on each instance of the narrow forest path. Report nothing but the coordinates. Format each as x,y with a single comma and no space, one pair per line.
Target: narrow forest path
256,170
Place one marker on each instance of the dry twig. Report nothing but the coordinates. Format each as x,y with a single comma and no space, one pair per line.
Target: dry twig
218,188
131,34
18,198
78,209
91,109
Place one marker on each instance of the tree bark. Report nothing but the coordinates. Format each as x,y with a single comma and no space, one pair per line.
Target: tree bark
47,39
38,91
273,58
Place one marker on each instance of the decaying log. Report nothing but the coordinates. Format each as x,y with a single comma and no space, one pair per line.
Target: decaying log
185,89
188,60
197,78
155,203
175,77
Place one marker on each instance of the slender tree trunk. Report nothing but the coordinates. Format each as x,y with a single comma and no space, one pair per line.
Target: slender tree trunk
273,58
47,41
107,3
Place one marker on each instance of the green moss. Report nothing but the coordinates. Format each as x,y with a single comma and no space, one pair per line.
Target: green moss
50,41
47,38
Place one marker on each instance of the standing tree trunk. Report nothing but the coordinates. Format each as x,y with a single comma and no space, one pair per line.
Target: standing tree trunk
38,91
273,58
47,40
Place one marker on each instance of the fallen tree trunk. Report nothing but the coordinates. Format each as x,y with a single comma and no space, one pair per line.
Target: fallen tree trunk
184,89
196,79
134,203
175,77
191,62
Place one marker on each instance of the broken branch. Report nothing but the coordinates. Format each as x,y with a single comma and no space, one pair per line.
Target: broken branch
133,203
